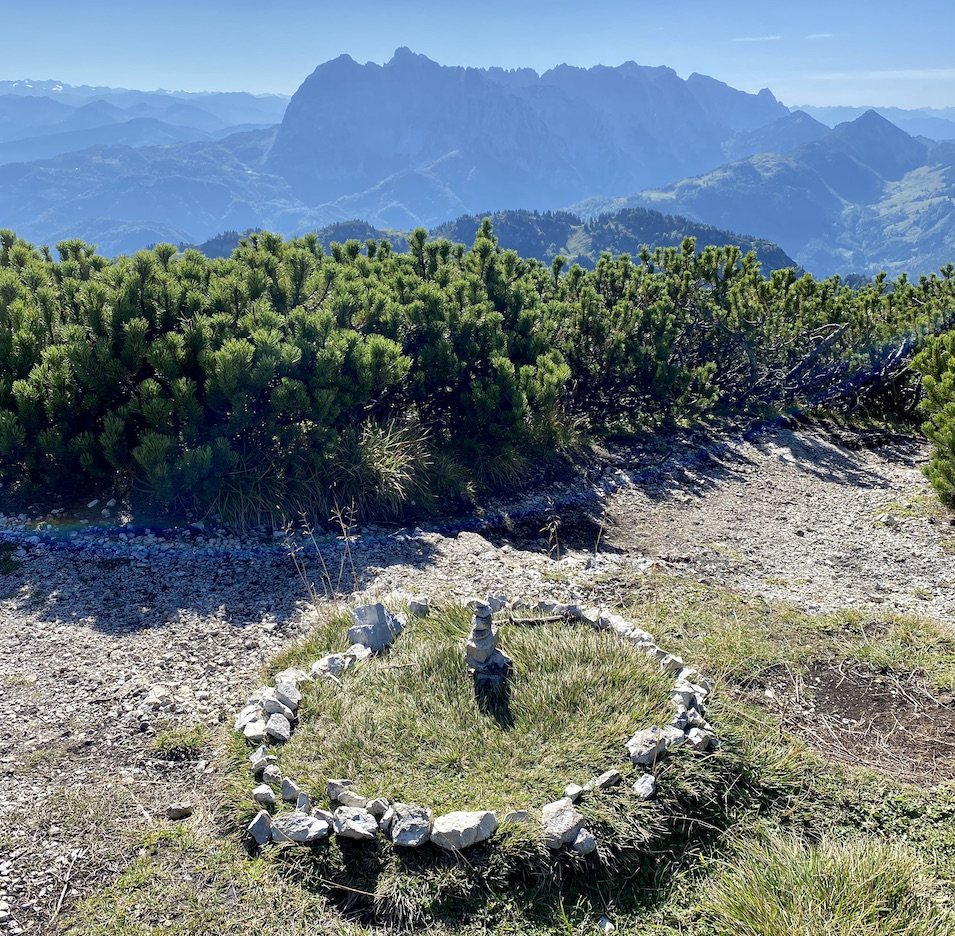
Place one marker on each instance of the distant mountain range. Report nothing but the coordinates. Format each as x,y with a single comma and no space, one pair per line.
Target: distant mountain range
864,197
544,235
412,142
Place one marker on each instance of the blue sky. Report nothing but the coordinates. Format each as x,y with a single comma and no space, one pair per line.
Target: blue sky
812,52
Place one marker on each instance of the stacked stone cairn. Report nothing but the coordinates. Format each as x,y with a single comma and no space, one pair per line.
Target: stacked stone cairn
269,717
487,663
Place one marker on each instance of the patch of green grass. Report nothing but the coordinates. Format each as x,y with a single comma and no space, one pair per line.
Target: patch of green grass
179,743
8,561
410,726
779,886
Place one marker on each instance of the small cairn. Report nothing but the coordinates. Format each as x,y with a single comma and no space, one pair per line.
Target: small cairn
486,663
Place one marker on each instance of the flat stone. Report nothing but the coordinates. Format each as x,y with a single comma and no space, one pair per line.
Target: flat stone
264,795
292,675
584,843
272,775
458,830
561,823
646,746
607,780
354,823
299,827
179,810
410,825
358,653
260,828
278,727
375,627
290,790
645,786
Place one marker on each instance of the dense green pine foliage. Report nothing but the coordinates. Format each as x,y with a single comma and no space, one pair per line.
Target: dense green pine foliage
283,379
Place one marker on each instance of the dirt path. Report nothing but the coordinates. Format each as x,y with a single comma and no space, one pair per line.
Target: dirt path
103,648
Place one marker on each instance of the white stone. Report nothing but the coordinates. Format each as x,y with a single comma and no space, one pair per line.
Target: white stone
252,712
645,786
358,653
458,830
646,745
334,788
607,780
264,795
303,802
605,926
350,798
377,807
354,823
331,665
697,739
410,825
299,827
375,627
272,775
256,731
573,791
561,823
260,828
584,842
384,823
672,737
290,790
278,727
287,693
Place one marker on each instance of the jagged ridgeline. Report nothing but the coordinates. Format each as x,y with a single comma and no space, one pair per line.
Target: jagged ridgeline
282,379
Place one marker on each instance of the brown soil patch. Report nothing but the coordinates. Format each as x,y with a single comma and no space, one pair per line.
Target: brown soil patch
889,722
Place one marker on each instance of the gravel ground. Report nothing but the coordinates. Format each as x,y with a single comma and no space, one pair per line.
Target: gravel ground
110,634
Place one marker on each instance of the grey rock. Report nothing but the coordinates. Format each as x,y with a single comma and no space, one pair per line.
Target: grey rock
375,627
331,665
260,760
573,792
607,780
457,830
303,802
671,664
672,737
251,713
605,926
410,825
179,810
260,828
496,603
272,775
354,823
292,675
697,739
256,731
271,703
334,788
357,652
419,606
299,827
264,795
481,644
290,790
584,843
645,786
323,814
561,823
278,727
377,807
646,746
288,694
351,798
384,823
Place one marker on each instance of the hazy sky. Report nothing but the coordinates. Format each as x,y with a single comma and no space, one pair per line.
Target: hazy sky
812,52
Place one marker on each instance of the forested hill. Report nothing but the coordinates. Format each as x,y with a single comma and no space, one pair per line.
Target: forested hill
545,235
